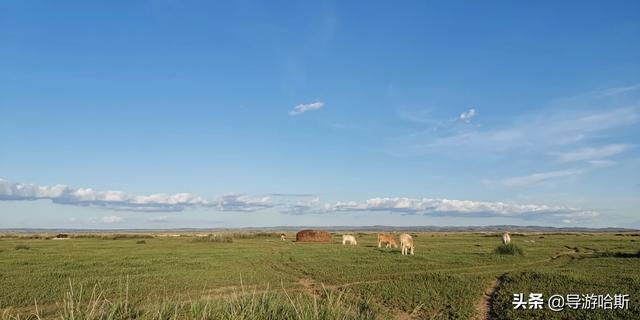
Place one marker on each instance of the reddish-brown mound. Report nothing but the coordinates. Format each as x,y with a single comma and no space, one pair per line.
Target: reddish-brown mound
313,236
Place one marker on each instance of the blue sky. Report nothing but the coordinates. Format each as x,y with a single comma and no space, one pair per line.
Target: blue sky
161,114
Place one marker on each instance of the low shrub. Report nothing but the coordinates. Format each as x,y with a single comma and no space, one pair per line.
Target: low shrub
22,247
510,248
111,236
253,235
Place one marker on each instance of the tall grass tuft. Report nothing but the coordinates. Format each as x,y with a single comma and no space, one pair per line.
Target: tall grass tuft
94,305
266,305
22,247
222,238
510,248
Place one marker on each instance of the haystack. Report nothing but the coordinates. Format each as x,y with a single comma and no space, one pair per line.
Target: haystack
313,236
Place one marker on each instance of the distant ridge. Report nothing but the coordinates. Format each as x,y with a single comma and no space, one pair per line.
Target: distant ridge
494,228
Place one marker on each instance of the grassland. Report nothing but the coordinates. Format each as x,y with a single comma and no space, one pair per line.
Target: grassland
248,276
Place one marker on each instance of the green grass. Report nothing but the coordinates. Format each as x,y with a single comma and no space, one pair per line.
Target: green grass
259,276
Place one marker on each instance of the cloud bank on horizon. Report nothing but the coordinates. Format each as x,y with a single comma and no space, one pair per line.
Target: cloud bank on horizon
118,200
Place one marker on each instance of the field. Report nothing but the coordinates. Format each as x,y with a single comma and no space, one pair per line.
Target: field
249,276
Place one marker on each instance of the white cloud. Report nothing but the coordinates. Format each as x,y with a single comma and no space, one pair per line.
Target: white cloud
238,202
444,207
303,207
302,108
596,153
467,115
111,219
118,200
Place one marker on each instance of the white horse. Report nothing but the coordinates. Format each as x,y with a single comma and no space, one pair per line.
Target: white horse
347,238
506,239
406,243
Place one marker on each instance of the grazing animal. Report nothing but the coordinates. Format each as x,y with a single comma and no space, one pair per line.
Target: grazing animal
406,243
283,237
506,239
347,238
387,239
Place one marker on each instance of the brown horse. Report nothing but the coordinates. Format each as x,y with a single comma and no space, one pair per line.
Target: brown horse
387,239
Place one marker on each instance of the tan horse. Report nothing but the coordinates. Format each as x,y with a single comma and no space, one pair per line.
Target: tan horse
406,243
387,239
283,237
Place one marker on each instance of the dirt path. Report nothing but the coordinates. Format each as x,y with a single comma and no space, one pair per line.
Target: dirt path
484,309
310,286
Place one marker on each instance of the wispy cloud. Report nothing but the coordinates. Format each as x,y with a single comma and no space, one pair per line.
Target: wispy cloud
535,132
595,153
118,200
536,178
580,121
426,117
302,108
467,115
612,92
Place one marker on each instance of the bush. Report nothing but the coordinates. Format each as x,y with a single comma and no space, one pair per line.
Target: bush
510,248
111,236
214,238
141,242
22,247
253,235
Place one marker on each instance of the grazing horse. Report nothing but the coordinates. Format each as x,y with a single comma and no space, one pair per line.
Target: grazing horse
283,237
347,238
406,243
506,239
387,239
